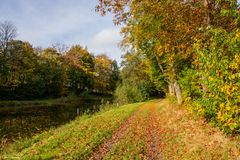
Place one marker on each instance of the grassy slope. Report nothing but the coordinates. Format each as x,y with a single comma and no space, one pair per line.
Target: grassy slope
77,139
181,136
186,136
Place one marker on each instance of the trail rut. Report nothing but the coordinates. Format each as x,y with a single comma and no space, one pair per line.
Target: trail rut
152,135
105,147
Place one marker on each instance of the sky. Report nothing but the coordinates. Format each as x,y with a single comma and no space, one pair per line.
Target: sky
47,22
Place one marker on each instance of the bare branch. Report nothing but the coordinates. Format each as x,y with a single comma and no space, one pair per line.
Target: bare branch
8,32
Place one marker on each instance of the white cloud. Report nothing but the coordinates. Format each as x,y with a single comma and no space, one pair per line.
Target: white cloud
106,38
106,41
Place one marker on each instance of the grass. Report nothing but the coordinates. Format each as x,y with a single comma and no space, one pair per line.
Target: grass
76,139
186,136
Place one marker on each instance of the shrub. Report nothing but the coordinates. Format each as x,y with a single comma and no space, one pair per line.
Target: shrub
215,79
130,93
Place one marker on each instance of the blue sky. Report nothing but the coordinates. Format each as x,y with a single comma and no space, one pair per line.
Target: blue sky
46,22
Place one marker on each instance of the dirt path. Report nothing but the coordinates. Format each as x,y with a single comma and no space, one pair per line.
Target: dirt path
152,135
105,147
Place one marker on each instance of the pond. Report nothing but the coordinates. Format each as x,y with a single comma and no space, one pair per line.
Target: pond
23,120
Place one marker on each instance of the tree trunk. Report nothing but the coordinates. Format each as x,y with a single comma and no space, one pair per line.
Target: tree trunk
171,88
210,6
178,92
159,63
174,88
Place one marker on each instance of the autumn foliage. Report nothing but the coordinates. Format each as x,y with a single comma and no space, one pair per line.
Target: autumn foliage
195,45
35,73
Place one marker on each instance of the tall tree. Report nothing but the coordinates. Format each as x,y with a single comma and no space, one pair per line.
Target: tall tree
195,44
168,28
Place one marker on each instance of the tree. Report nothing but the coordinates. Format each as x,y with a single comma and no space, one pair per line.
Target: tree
32,73
196,46
51,73
115,77
154,24
137,82
60,48
20,65
168,28
80,69
7,33
103,73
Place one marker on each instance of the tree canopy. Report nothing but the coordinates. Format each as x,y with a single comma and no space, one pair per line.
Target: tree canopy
195,45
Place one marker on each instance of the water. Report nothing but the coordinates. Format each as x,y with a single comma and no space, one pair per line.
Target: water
25,121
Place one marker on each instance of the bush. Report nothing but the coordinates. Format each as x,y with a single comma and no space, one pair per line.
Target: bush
130,93
217,69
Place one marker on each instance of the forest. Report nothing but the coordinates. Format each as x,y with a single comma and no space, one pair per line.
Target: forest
174,95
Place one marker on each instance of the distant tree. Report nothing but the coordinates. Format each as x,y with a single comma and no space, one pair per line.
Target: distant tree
80,68
20,69
30,73
103,73
7,33
51,73
115,75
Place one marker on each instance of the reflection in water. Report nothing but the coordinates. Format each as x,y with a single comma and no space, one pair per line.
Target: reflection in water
20,122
